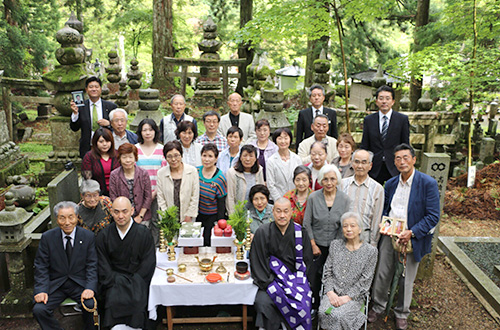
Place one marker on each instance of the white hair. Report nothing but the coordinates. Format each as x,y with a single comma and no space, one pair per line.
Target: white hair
370,154
330,168
112,113
65,205
355,216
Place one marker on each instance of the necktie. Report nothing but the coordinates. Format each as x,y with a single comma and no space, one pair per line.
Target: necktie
69,247
385,126
317,112
95,125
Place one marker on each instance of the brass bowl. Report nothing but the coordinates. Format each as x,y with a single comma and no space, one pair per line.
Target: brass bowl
205,264
182,268
170,271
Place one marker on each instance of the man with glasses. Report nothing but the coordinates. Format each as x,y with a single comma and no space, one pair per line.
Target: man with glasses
319,128
121,134
366,195
169,123
211,121
237,118
412,196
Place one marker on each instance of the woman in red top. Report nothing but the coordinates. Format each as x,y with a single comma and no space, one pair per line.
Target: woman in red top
98,163
298,196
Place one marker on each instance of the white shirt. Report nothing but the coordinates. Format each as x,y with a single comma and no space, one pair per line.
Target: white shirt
381,119
399,204
313,109
120,140
72,235
98,105
122,235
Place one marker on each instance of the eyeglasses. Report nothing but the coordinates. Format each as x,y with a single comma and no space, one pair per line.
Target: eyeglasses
119,120
91,196
405,158
362,162
172,157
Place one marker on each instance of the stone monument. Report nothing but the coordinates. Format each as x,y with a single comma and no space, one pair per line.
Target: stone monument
148,105
122,95
251,99
11,161
272,107
209,92
322,77
18,301
69,76
437,166
134,82
492,122
113,72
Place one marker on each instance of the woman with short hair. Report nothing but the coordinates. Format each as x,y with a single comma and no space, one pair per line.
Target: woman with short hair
281,165
98,163
347,277
242,177
229,157
261,211
94,210
324,209
132,182
298,196
213,191
178,184
186,133
345,147
265,147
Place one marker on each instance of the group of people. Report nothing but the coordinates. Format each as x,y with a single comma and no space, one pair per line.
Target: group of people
316,214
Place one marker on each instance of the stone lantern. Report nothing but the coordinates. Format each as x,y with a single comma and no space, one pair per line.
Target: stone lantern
18,301
148,104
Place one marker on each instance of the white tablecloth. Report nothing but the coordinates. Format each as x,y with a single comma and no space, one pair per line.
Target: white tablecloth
183,293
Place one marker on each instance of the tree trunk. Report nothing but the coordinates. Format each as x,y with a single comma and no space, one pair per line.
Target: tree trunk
244,51
421,20
163,42
313,50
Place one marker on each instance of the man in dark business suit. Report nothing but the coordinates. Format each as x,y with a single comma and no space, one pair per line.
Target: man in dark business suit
412,196
382,131
94,114
65,266
306,116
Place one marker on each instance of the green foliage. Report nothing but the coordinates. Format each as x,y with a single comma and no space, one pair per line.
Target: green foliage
238,220
26,31
169,222
137,27
35,149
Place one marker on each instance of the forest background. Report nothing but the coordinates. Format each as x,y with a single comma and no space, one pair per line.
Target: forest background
409,38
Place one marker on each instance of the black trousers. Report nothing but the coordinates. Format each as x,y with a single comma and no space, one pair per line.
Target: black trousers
383,175
207,221
44,313
317,274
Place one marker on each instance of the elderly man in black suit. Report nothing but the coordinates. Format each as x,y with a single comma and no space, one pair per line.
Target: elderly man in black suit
382,132
94,114
65,266
306,116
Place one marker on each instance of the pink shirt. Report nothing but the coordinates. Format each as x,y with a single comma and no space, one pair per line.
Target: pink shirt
106,166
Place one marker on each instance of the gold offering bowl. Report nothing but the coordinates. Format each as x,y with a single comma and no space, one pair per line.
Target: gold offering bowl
206,264
170,271
182,268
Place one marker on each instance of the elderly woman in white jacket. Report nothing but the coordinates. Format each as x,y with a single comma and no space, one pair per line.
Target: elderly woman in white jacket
178,183
281,165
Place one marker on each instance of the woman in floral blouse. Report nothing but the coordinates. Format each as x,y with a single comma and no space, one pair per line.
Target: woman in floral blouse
94,211
298,196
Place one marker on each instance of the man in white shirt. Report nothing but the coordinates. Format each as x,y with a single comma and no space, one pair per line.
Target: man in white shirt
306,116
237,118
366,194
169,123
319,128
412,196
121,134
94,114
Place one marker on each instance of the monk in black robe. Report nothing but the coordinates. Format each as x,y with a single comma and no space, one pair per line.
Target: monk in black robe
276,239
127,262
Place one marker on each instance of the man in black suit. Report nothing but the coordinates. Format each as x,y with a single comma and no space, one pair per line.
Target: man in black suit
382,132
306,116
93,115
65,266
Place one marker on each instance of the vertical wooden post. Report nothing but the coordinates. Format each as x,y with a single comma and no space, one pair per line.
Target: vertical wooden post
225,82
245,317
7,106
184,80
170,321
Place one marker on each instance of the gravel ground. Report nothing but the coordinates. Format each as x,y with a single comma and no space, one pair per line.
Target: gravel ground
485,255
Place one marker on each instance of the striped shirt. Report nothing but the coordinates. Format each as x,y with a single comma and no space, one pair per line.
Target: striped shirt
210,190
367,199
219,141
151,163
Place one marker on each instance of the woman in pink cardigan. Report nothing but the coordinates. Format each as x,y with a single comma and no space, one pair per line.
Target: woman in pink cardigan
132,182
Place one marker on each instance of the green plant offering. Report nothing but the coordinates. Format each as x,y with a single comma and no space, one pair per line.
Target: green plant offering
169,222
238,220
